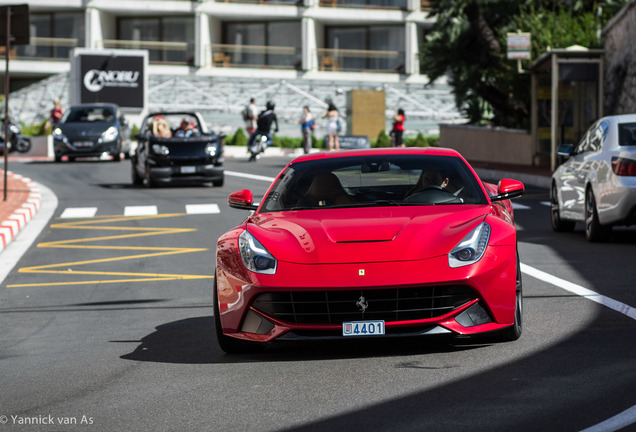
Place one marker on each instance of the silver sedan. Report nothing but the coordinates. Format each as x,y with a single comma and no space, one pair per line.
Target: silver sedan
597,183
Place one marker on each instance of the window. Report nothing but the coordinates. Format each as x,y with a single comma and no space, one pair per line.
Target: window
263,44
627,134
160,29
388,39
53,35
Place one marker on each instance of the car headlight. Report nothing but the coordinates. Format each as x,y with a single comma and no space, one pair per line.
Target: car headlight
160,149
471,248
211,149
255,257
110,134
59,135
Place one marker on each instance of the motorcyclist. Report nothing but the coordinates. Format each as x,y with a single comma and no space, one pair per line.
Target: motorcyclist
263,127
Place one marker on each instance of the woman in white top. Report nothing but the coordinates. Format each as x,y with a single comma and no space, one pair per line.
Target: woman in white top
333,127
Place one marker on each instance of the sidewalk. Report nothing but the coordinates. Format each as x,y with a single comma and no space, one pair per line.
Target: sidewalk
24,198
22,203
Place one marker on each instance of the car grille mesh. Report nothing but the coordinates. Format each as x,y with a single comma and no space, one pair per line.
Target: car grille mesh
333,307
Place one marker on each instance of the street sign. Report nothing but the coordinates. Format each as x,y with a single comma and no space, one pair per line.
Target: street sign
519,46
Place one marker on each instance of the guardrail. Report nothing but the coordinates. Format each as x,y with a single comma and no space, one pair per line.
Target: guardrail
228,55
330,59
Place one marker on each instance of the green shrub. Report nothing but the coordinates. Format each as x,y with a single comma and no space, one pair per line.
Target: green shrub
420,141
35,129
239,138
383,140
433,140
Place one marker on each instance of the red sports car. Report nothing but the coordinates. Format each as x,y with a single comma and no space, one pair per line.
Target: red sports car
370,243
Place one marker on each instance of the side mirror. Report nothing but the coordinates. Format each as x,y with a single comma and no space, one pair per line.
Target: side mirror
508,189
565,150
242,200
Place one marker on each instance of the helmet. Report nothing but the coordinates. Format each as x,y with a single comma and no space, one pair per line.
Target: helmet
270,105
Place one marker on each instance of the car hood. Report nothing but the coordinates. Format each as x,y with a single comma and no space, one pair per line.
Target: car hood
364,235
84,129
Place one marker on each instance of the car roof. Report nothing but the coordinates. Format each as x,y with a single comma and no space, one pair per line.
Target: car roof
429,151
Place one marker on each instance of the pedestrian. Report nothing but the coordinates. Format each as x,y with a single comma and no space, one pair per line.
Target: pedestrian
333,126
306,127
250,115
398,128
56,114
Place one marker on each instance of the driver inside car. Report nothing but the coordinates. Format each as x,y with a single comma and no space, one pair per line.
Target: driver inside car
428,178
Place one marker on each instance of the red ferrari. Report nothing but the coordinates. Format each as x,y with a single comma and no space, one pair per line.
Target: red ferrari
370,243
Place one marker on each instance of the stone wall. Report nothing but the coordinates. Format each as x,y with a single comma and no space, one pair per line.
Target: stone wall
620,62
487,144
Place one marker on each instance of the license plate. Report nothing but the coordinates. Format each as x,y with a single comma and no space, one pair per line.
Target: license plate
83,144
363,328
188,170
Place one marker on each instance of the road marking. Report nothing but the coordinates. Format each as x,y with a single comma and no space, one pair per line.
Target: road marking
78,212
71,268
140,211
250,176
518,206
202,209
627,417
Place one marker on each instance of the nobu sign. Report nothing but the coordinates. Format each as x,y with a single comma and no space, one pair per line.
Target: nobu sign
115,79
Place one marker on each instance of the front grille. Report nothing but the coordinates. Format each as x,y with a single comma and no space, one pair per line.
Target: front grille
334,307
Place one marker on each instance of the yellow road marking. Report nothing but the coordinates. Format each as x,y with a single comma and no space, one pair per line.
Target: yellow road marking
134,232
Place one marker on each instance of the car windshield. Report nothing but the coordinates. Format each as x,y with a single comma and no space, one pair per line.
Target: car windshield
173,125
89,114
382,180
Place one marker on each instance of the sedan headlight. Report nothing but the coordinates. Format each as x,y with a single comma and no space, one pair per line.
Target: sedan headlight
110,134
255,257
471,248
59,135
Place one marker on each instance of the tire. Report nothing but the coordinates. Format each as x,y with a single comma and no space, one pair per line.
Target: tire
117,157
558,224
137,180
594,231
513,332
23,145
218,183
148,181
229,344
58,158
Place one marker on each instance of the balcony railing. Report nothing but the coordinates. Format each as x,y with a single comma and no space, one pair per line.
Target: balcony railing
45,48
265,2
174,53
367,4
360,60
281,57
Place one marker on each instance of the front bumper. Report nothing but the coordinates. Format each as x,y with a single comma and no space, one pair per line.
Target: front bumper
87,149
187,174
489,307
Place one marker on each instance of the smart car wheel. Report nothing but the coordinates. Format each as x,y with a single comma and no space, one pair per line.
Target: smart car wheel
229,344
558,224
513,332
594,231
136,178
147,178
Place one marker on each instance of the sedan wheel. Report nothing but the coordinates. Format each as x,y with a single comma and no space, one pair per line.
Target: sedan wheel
558,224
594,231
513,332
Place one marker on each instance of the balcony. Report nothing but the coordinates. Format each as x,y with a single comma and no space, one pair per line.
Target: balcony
265,2
159,53
350,60
366,4
45,48
276,57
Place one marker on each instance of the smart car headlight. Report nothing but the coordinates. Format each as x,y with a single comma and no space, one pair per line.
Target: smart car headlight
110,134
211,149
471,248
255,257
160,149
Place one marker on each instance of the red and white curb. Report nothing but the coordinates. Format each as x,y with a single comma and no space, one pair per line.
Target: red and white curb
10,227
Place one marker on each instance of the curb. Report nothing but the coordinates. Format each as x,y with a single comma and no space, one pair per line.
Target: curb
12,225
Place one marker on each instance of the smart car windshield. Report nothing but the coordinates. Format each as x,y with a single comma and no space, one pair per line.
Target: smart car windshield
382,180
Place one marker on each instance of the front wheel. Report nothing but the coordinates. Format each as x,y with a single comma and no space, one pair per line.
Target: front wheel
513,332
23,145
558,224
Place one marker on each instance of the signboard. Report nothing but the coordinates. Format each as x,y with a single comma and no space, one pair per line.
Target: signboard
352,141
111,76
519,46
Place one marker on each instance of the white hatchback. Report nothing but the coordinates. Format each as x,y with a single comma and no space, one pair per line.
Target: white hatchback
597,183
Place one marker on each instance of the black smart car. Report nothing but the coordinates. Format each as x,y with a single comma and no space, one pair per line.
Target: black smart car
176,147
91,130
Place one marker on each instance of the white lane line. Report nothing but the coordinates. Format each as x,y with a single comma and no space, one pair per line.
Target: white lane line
250,176
546,203
581,291
79,212
518,206
140,211
202,209
627,417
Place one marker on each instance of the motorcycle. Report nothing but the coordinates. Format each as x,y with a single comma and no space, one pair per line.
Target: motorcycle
261,142
18,142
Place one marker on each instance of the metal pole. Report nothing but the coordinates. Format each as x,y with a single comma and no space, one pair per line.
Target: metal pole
6,102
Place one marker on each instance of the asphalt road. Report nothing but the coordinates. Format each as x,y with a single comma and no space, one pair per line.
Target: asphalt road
107,324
